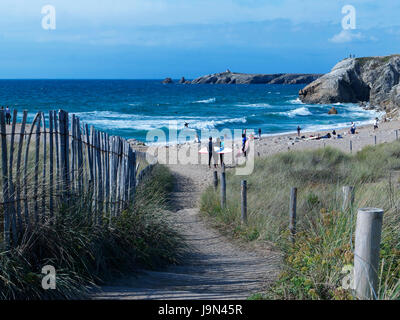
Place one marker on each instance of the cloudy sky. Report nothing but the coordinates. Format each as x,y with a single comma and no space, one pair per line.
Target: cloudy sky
153,39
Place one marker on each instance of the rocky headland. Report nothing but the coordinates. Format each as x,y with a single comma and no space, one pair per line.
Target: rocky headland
372,80
229,77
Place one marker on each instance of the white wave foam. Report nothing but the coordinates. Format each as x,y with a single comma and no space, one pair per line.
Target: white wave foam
342,125
295,101
211,124
303,111
211,100
255,105
116,120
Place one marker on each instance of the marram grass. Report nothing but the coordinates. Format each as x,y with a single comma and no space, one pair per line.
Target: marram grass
313,268
85,255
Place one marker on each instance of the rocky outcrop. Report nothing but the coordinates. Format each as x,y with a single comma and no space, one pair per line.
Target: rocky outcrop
167,81
229,77
183,80
372,79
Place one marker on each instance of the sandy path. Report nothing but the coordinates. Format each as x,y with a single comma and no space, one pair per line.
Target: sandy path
214,269
217,268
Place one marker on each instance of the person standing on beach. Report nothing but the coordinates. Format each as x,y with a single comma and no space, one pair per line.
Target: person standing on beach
214,153
298,131
8,115
376,124
244,139
210,151
353,128
259,133
221,149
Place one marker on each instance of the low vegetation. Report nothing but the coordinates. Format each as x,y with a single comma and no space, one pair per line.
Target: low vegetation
85,255
313,267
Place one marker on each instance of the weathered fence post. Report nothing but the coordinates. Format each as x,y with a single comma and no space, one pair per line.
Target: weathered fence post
244,201
6,212
292,214
51,160
64,152
366,254
215,180
351,146
18,176
223,190
375,139
44,186
11,189
348,197
36,177
397,134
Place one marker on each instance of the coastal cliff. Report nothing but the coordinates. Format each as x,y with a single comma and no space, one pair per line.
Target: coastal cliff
229,77
372,79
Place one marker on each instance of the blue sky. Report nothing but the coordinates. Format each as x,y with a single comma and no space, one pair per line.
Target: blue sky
153,39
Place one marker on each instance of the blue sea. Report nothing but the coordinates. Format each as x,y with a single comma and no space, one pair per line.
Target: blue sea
130,108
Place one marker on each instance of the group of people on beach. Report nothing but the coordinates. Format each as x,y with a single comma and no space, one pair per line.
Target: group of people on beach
7,112
212,154
220,145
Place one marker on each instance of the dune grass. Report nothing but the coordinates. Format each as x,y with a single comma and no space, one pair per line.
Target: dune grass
85,255
325,239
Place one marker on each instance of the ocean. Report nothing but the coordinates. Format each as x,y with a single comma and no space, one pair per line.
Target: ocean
130,108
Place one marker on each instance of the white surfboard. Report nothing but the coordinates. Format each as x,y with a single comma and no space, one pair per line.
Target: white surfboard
203,150
225,150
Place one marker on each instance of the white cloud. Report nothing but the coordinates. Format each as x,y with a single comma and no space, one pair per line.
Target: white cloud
346,36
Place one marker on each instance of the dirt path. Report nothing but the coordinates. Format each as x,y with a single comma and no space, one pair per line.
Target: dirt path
215,268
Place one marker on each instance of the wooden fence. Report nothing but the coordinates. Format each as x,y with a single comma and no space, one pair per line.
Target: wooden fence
54,161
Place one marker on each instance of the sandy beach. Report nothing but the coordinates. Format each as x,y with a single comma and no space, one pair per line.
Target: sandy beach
187,153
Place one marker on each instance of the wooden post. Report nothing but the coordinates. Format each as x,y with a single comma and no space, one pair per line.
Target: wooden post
244,201
397,134
64,153
25,180
6,212
215,180
351,146
11,190
375,139
292,214
44,186
57,139
51,164
366,254
348,197
18,177
223,190
36,177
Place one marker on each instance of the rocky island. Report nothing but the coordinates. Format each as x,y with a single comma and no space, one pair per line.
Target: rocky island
229,77
373,80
